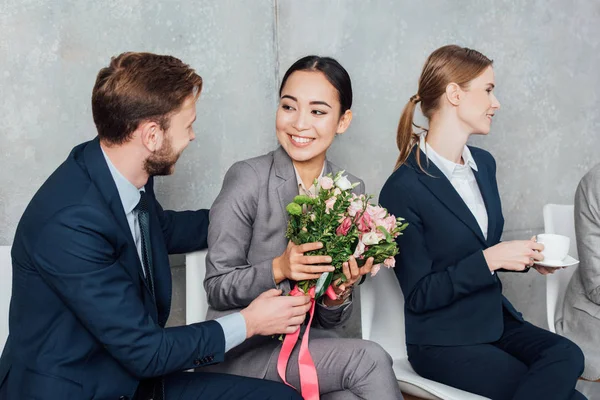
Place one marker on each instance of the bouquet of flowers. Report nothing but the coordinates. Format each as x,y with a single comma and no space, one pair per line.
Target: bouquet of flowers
347,225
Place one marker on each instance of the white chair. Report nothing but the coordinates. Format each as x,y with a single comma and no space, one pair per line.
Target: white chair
559,219
5,292
196,303
382,319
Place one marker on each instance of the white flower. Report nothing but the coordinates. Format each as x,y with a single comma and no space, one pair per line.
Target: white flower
343,183
370,238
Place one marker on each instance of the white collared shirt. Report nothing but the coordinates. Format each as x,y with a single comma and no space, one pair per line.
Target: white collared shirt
463,180
302,189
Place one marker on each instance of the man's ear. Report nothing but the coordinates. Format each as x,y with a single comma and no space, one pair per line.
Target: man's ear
151,135
344,123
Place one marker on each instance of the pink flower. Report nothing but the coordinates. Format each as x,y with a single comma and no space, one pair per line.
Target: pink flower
363,222
337,191
326,182
389,223
375,269
376,212
360,249
389,262
355,206
329,204
344,227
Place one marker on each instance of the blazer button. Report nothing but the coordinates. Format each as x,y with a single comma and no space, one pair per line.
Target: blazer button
196,362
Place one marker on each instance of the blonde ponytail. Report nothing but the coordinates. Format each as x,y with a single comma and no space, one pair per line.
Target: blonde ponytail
406,138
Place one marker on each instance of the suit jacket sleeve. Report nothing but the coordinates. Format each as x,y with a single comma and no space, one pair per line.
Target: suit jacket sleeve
76,254
184,231
426,285
587,227
231,281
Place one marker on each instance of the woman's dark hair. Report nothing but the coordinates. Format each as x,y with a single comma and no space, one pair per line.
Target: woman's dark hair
333,71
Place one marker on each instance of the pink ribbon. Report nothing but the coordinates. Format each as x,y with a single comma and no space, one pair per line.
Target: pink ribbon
309,384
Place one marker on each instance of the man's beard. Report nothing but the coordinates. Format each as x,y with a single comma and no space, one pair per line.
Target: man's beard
162,161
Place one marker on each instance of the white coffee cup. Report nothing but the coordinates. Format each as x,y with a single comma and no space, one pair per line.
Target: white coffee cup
556,247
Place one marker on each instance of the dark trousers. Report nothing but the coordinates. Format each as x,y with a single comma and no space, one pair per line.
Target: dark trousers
210,386
527,363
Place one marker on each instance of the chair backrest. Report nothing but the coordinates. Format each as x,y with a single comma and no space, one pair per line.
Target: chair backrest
559,219
382,312
196,303
5,292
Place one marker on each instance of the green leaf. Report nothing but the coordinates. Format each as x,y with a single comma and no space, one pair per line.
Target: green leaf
303,199
322,284
388,237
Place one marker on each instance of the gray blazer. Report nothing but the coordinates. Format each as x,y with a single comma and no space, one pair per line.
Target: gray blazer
246,232
581,319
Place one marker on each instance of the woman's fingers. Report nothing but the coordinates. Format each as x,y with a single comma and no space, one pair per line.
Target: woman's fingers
365,269
353,268
316,269
302,276
313,260
303,248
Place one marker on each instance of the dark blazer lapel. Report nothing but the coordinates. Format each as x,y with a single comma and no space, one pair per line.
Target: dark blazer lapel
284,169
485,187
440,187
100,175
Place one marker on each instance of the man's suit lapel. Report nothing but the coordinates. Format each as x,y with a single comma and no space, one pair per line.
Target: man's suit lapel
437,183
100,175
284,170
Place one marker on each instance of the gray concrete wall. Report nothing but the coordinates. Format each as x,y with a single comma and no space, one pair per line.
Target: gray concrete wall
546,59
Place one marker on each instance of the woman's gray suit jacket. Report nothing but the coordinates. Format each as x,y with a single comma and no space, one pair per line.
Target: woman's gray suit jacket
247,231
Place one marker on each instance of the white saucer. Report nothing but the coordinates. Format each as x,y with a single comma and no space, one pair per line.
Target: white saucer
565,262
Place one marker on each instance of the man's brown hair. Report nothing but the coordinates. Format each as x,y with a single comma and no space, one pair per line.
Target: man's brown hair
139,87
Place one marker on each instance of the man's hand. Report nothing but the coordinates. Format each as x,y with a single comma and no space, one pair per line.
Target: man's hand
271,314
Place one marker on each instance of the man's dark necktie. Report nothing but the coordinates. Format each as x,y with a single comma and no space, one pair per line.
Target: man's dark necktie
150,388
144,221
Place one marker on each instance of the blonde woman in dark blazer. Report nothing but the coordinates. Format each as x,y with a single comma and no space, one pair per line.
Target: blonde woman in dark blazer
460,329
249,254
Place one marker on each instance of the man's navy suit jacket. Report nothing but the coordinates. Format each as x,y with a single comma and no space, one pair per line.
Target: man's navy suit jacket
83,323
